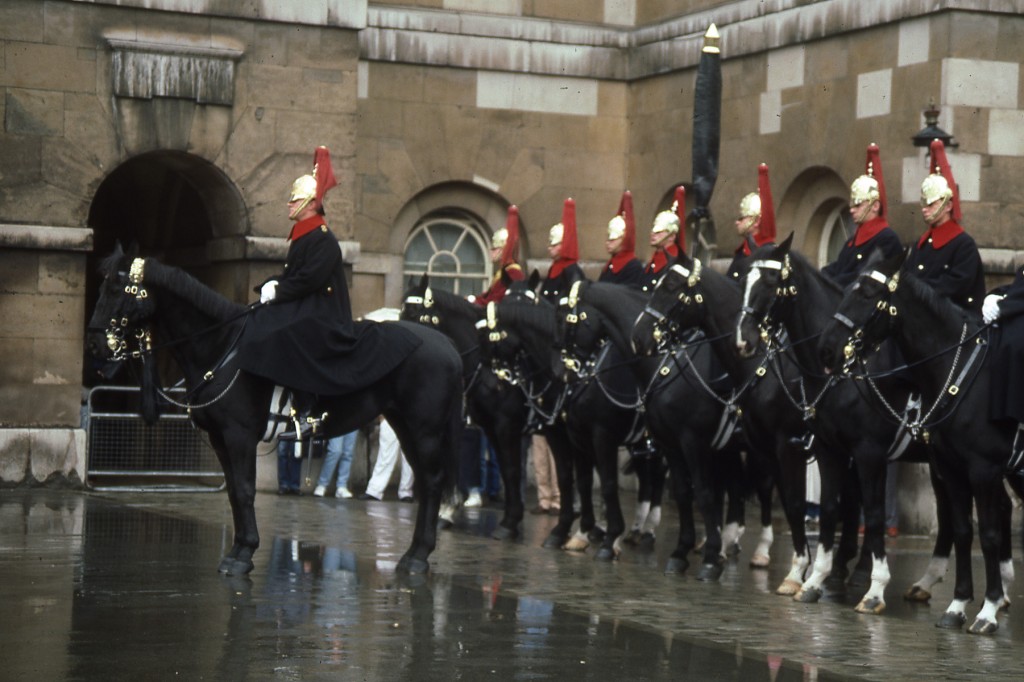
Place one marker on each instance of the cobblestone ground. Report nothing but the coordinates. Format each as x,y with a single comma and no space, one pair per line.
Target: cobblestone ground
124,586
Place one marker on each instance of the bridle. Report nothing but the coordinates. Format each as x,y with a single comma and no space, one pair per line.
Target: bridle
783,292
664,331
854,347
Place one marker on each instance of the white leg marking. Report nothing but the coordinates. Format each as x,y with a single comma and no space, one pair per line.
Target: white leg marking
822,568
957,606
642,509
935,572
879,581
988,611
653,519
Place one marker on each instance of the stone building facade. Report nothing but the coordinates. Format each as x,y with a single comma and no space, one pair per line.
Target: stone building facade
180,124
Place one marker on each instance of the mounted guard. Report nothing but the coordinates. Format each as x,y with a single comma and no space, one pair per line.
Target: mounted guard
564,251
668,238
622,267
755,225
505,257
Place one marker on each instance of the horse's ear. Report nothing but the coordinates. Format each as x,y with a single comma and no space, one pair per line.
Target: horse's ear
783,248
118,249
534,279
425,281
133,250
505,279
897,260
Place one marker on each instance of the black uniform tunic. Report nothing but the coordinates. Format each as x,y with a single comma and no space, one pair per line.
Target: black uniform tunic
556,287
874,234
1007,355
305,338
661,260
627,270
947,259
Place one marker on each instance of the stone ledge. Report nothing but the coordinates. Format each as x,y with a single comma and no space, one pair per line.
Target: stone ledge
333,13
266,248
46,237
42,456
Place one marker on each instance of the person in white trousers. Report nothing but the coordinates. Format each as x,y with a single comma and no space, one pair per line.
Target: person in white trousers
388,454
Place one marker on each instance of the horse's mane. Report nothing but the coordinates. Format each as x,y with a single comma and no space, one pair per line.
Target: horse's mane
456,304
184,285
814,273
933,302
538,316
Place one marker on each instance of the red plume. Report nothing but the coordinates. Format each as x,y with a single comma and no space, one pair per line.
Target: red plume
570,248
766,231
873,168
941,165
679,206
510,253
626,211
323,172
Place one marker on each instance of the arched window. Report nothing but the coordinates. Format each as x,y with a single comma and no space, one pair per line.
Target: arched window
452,250
836,231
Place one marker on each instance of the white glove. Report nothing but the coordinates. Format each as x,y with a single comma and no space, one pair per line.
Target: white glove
990,308
268,292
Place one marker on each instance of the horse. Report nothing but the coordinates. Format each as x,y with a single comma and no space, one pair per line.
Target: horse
497,407
599,319
518,341
690,296
421,397
945,350
784,293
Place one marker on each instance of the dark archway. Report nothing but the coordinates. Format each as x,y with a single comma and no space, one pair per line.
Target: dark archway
172,204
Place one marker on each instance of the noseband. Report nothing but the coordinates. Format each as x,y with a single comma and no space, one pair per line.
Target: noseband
662,331
782,292
855,343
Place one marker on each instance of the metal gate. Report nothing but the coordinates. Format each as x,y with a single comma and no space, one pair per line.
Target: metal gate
125,454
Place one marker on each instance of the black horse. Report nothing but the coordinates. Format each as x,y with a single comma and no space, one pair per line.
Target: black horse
597,325
784,292
496,406
690,296
519,342
944,347
421,398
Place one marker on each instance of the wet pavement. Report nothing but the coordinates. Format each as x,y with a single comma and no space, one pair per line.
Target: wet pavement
124,586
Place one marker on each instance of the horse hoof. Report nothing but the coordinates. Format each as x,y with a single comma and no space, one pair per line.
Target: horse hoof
709,572
239,567
860,579
576,543
760,561
503,533
676,566
647,542
444,524
225,565
1004,605
733,550
554,542
983,627
808,595
951,621
596,535
412,566
873,607
917,593
788,588
605,554
632,538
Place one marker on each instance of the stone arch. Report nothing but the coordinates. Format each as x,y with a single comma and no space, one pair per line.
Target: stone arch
172,204
489,208
809,208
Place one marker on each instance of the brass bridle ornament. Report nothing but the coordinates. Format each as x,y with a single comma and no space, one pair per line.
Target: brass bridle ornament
115,332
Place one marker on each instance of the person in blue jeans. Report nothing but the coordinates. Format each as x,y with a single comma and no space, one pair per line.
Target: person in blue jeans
289,469
490,472
338,457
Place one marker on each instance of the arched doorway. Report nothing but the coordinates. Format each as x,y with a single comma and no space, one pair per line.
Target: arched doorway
815,208
446,230
171,204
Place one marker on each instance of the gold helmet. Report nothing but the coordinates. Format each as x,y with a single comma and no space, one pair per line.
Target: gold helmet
499,239
306,188
555,234
304,191
666,221
940,184
616,227
750,206
870,186
864,188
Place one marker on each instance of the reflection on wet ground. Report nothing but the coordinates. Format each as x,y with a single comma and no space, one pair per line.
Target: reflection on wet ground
124,586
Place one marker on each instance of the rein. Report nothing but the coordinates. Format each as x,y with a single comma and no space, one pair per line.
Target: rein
119,347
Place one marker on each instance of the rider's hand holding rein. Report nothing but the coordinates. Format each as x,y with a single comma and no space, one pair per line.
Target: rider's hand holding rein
268,292
990,308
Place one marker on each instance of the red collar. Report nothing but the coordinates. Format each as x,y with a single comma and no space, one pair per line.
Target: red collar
619,261
304,227
660,258
558,266
940,234
869,230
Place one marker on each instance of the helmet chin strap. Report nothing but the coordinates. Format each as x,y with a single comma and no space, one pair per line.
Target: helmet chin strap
938,211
